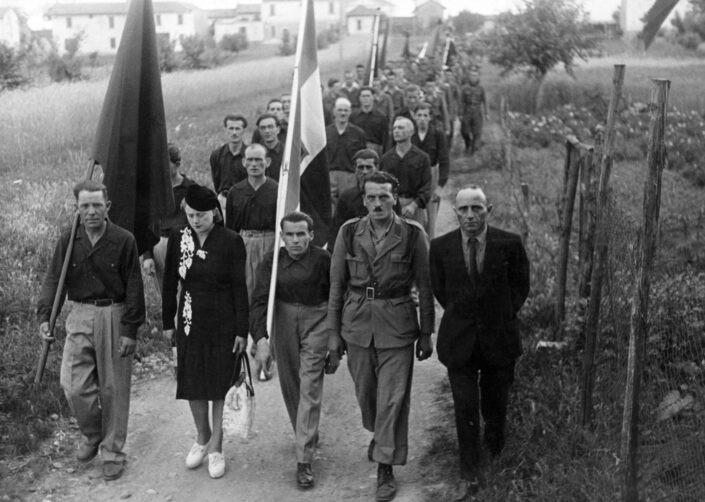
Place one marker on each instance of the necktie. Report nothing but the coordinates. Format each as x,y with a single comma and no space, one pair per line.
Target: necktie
472,260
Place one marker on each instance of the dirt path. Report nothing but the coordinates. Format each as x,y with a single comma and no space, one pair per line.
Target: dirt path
263,470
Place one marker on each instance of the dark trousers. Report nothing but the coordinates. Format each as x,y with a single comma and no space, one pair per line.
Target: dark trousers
471,129
469,399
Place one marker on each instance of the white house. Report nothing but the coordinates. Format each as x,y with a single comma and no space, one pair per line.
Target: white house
98,26
361,20
11,22
280,15
245,19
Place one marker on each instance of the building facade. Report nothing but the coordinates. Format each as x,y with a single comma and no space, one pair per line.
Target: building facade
97,27
11,23
428,14
281,15
245,19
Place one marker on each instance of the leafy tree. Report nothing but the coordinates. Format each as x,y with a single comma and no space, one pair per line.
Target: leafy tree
234,42
168,59
11,75
541,35
467,22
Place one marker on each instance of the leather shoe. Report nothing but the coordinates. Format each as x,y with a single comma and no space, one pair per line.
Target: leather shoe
86,452
386,485
370,450
304,475
113,469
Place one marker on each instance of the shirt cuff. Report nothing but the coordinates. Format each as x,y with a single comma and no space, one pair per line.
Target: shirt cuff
128,330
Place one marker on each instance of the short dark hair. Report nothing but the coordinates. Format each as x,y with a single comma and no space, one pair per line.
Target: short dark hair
90,186
424,105
366,153
273,100
174,153
296,217
268,116
359,65
235,117
381,177
366,88
411,88
332,81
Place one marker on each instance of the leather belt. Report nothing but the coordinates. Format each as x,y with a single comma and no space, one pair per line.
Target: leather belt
101,302
377,293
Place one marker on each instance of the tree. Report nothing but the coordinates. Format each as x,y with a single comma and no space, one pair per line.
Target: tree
467,22
541,35
11,75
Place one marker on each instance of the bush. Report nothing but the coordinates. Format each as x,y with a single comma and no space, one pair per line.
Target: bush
322,41
193,48
11,68
235,42
168,59
689,40
66,68
288,45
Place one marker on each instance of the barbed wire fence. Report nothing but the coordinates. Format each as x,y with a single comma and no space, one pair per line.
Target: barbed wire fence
660,449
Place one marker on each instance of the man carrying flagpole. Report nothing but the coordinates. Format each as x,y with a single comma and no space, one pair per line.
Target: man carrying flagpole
304,183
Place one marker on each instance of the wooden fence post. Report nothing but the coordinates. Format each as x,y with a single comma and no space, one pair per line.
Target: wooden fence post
656,159
588,209
600,259
574,156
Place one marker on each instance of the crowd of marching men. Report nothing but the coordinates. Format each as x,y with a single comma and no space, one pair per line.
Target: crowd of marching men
365,290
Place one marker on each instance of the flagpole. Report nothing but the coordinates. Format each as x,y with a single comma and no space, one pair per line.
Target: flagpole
58,295
422,53
373,52
446,49
284,172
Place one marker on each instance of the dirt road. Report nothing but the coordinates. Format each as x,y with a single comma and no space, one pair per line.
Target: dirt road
263,470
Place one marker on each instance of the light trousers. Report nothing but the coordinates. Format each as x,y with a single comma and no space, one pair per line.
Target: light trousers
300,354
95,379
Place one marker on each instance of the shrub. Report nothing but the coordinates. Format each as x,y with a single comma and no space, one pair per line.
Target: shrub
66,68
10,68
288,45
689,40
168,59
234,42
193,48
322,40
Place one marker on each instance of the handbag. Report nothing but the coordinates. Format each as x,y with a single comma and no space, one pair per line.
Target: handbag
239,407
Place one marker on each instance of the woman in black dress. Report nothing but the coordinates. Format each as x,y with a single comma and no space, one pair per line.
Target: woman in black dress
208,261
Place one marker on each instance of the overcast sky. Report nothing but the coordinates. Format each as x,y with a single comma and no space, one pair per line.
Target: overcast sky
598,9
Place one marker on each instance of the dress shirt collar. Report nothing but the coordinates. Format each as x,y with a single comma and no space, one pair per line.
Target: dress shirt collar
481,238
287,260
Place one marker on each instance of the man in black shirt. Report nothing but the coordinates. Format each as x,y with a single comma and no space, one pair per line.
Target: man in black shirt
105,284
268,127
373,122
299,322
226,162
432,141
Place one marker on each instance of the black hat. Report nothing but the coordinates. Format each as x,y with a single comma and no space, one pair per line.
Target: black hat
201,198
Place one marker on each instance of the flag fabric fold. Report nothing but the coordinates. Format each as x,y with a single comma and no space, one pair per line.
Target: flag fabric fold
131,142
385,28
305,182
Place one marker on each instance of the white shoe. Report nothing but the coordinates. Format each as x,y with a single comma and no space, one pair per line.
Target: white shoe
216,465
196,456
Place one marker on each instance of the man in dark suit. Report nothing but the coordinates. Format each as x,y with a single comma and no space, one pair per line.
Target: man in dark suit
480,276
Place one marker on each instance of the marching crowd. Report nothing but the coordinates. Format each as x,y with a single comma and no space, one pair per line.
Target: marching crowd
366,295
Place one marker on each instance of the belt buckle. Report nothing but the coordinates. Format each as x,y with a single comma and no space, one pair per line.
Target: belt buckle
370,293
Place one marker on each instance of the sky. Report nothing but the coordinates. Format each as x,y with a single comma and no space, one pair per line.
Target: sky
598,9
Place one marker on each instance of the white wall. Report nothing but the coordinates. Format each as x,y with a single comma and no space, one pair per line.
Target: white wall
254,29
10,31
365,23
287,14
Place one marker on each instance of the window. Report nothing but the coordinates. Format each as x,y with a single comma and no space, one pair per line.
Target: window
331,8
111,22
68,22
159,20
112,43
243,30
359,25
271,9
180,19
